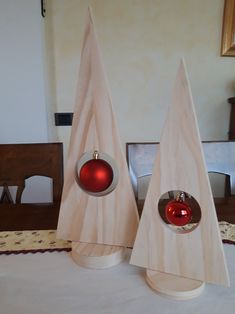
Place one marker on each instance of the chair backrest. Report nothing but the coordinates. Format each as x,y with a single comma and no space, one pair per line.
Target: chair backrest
219,157
19,162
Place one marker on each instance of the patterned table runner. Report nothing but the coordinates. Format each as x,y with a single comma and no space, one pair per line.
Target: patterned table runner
15,242
32,241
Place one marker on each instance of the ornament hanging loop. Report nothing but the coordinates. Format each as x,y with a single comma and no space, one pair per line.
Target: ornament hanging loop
180,197
96,154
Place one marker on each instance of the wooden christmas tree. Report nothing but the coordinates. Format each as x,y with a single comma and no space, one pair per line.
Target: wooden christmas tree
99,219
178,263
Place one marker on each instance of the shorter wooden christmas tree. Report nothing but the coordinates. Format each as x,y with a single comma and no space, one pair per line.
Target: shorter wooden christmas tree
179,262
98,209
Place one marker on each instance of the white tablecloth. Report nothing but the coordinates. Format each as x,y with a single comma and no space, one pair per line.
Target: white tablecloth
51,283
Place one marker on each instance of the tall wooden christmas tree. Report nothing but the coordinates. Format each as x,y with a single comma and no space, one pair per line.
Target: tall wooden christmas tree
98,209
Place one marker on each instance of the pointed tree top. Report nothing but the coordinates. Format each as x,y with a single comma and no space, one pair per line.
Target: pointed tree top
90,15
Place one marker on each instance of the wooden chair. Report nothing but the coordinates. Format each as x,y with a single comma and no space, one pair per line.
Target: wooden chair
219,157
19,162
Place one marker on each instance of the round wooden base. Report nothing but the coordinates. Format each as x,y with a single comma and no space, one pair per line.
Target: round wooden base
97,256
174,287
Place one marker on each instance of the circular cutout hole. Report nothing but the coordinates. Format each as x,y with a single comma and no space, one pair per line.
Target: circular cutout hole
179,211
96,173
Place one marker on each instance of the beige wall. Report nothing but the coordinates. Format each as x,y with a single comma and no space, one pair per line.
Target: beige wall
142,43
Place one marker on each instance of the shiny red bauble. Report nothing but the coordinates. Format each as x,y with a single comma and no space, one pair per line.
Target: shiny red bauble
95,175
178,213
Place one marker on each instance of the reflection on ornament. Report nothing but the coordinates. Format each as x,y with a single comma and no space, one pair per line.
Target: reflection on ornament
178,212
96,175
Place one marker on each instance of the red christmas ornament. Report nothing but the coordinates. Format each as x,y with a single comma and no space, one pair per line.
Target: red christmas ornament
95,175
178,212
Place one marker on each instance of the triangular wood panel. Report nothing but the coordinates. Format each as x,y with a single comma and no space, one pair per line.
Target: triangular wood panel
180,165
111,219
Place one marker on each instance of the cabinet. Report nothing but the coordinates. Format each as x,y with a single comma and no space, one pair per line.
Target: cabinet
232,119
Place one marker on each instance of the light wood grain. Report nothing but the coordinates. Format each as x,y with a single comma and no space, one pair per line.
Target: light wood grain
111,219
97,256
174,287
180,165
